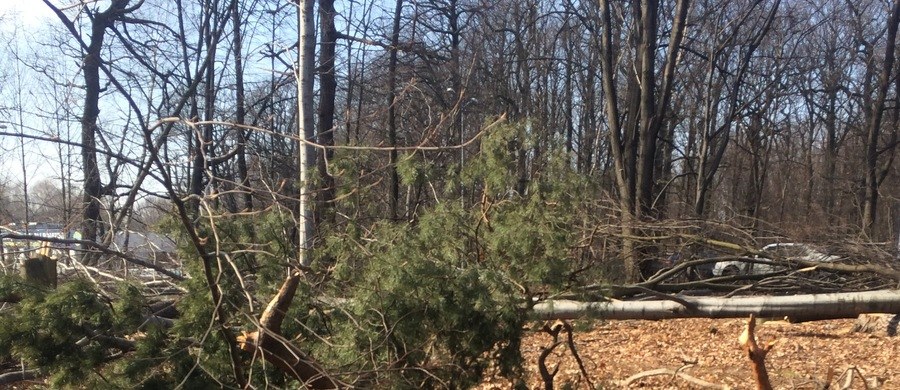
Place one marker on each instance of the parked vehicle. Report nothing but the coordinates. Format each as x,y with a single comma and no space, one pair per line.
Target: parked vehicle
696,272
782,250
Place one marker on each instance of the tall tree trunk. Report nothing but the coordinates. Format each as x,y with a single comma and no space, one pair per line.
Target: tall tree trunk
91,223
633,146
715,139
569,91
524,108
873,133
193,111
706,163
203,164
306,158
615,140
653,113
240,115
244,188
588,121
201,139
327,96
648,128
392,110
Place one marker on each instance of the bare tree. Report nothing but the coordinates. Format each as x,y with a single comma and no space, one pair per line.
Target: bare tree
91,224
633,141
874,177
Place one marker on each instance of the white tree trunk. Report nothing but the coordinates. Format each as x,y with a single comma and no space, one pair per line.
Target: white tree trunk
306,130
807,307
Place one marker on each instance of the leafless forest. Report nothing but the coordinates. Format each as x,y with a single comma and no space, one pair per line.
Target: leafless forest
342,188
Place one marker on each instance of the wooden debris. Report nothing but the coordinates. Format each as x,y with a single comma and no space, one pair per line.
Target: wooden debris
880,324
756,354
673,373
281,352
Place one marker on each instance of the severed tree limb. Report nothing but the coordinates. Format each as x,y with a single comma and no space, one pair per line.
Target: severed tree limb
668,372
279,351
570,341
554,331
756,354
852,372
546,375
18,376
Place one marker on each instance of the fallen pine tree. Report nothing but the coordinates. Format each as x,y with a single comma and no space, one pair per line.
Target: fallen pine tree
797,308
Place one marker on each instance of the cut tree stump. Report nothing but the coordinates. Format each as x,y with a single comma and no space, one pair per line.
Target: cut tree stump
40,271
878,324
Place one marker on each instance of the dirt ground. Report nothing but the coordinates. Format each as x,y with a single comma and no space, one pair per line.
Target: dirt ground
708,350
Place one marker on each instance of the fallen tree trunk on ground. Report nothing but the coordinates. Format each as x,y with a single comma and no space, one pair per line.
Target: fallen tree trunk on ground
797,308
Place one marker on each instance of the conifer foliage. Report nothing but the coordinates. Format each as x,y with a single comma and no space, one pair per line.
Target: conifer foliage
433,303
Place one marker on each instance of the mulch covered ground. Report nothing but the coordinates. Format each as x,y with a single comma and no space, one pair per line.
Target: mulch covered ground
708,350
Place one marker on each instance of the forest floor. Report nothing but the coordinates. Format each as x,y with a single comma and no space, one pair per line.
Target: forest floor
802,357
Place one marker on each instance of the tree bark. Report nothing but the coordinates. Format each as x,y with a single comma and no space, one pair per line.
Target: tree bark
392,111
879,323
40,271
91,224
807,307
240,115
306,156
874,127
328,94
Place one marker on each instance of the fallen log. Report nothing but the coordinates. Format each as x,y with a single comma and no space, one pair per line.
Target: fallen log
797,308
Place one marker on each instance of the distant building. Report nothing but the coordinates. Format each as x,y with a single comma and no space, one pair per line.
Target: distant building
17,249
153,248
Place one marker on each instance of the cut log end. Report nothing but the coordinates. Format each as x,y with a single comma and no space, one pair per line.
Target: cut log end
877,324
247,341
